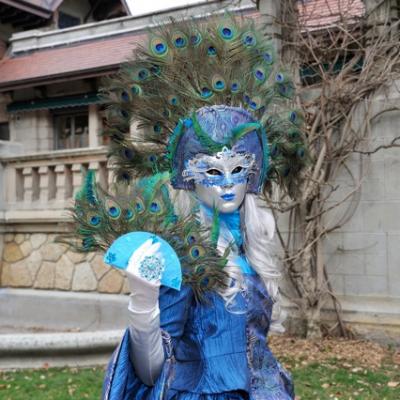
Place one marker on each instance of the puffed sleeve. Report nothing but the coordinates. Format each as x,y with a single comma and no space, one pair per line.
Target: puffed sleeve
174,306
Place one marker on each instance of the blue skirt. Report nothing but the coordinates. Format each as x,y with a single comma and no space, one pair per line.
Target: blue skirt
122,383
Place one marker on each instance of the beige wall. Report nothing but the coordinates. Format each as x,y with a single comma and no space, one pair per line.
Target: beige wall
34,130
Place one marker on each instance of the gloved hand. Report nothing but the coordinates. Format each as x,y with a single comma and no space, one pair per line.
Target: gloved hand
144,271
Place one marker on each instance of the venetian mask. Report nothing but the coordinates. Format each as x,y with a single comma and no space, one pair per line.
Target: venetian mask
221,179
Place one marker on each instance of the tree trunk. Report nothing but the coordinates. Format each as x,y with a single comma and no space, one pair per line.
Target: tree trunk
313,319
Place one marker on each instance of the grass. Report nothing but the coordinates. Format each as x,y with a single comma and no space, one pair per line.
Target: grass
331,380
52,384
316,381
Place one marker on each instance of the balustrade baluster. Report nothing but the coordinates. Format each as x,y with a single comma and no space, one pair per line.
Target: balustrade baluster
100,171
110,177
43,184
28,185
13,182
103,175
59,171
78,173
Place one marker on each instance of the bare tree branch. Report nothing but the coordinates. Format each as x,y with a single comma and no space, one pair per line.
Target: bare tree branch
344,65
381,147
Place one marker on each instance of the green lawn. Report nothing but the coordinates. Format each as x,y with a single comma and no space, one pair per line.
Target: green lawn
51,384
332,379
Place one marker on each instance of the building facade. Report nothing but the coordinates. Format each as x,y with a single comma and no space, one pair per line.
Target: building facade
50,124
51,117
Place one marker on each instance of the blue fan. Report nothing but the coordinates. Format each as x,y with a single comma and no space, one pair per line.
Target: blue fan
121,250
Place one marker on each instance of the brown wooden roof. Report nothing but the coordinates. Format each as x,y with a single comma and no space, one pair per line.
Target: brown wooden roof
83,60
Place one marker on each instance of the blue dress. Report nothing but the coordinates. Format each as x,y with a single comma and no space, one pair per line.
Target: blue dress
211,353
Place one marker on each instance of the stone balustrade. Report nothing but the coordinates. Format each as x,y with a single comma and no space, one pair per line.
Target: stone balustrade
37,189
48,181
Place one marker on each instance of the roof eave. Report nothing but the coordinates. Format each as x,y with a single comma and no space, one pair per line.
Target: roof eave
50,79
30,8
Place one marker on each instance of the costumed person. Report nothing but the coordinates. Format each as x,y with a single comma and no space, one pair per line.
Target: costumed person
187,221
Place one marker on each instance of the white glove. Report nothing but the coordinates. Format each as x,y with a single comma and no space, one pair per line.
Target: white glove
144,272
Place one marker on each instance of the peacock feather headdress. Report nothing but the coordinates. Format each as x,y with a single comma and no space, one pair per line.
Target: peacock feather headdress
194,89
187,68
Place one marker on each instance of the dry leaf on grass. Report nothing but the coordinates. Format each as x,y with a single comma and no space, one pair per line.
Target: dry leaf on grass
349,352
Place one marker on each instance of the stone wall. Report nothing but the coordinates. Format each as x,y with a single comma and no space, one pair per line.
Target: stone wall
39,124
363,256
36,261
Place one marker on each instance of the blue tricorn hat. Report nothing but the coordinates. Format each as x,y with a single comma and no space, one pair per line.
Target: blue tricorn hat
210,129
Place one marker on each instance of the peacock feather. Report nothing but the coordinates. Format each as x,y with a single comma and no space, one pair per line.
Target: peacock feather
186,65
100,218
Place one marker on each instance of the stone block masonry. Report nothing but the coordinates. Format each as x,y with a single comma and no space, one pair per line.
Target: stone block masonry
34,260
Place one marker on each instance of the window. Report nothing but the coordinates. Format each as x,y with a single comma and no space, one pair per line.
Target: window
66,20
310,74
4,131
71,130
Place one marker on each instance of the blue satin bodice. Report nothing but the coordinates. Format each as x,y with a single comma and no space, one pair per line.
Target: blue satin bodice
212,342
218,350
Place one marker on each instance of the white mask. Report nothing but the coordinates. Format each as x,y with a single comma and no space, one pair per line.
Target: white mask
221,179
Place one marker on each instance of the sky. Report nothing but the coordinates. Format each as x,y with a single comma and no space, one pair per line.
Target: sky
147,6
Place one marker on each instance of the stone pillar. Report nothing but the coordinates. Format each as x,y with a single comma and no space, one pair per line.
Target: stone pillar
104,175
78,172
280,22
59,171
110,177
43,184
45,130
94,126
271,11
28,184
101,173
46,185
